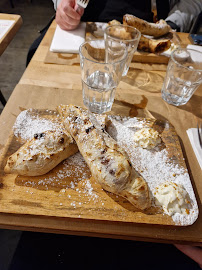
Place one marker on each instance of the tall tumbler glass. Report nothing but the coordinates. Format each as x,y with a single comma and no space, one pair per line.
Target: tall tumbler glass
100,79
183,76
123,34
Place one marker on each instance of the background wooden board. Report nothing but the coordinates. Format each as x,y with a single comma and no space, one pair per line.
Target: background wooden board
139,57
70,191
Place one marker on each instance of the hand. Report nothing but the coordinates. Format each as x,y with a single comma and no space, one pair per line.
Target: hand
66,16
195,253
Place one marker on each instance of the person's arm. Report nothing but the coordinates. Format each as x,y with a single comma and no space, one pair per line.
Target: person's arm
183,14
67,15
195,253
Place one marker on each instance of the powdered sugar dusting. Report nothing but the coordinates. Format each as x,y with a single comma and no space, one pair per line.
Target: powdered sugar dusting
73,174
28,123
64,172
155,166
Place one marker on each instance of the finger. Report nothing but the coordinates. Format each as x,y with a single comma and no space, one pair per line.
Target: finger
65,24
195,253
69,21
79,10
69,11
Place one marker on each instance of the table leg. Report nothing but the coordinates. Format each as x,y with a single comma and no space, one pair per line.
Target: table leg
2,98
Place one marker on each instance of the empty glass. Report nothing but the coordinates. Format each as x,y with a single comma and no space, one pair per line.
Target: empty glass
100,78
183,76
123,34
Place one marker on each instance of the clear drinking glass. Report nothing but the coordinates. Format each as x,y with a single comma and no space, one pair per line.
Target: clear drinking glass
183,76
123,34
100,79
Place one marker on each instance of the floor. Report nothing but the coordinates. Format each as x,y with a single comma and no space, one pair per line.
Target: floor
35,14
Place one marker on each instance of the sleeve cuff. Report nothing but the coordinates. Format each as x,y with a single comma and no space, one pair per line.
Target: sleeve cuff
173,26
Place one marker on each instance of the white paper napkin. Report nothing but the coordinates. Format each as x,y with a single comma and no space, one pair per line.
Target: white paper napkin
195,47
194,140
5,25
173,47
68,41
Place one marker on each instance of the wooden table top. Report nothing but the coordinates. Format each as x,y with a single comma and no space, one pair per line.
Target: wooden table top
44,86
7,38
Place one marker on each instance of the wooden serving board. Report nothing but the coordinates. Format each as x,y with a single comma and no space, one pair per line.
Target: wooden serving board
139,56
70,191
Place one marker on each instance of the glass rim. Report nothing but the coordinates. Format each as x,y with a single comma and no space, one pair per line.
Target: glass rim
184,49
101,63
123,26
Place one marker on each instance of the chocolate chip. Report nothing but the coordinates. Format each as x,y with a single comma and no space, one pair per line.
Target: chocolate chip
105,161
112,172
42,135
86,120
88,129
61,140
104,151
39,135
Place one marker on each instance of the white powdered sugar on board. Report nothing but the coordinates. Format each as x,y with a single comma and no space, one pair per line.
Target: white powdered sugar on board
79,173
27,124
154,166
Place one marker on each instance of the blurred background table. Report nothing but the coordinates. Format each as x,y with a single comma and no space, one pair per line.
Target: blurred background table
9,35
44,86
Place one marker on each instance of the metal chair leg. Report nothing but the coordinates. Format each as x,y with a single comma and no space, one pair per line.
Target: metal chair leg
11,2
2,99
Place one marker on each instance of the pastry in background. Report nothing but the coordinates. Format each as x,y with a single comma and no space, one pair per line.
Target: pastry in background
157,29
153,45
146,44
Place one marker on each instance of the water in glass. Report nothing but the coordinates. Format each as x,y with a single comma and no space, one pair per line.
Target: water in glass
177,91
183,76
98,92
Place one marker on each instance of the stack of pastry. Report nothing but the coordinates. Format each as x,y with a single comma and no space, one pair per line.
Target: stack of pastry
108,163
150,33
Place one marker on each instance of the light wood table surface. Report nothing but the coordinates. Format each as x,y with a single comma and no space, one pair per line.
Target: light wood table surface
7,38
44,86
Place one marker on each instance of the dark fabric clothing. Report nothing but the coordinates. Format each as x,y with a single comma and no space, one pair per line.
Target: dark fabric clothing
37,41
34,46
173,26
164,6
107,10
37,251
